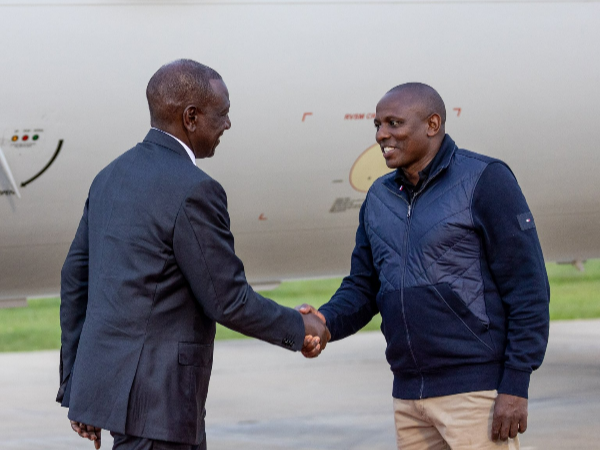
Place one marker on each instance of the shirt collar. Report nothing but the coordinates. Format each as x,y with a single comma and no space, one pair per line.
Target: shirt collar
187,149
402,179
438,160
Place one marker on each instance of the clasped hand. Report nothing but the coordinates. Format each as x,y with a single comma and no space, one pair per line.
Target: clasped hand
317,333
88,432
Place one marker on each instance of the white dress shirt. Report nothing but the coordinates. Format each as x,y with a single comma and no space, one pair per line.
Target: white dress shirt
187,149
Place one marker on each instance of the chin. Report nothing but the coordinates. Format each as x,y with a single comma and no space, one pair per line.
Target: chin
213,150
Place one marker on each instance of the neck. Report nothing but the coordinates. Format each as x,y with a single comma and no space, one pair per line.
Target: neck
435,145
413,177
173,130
412,172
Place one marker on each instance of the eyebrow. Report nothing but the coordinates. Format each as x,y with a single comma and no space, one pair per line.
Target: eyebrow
391,117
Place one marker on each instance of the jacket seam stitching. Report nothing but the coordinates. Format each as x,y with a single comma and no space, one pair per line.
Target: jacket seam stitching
212,285
444,254
385,243
462,181
387,207
386,280
473,301
440,221
459,318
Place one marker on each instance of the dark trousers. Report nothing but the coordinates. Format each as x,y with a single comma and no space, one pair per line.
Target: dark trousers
125,442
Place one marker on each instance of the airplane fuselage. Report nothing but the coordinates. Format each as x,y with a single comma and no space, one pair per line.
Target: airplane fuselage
520,81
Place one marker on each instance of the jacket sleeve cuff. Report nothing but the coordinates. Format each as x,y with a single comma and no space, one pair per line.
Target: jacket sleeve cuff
61,391
328,323
514,382
295,339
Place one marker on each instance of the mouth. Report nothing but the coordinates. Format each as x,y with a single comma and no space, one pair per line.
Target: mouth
387,150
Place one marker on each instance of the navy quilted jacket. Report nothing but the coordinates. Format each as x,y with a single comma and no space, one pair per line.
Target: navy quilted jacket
458,275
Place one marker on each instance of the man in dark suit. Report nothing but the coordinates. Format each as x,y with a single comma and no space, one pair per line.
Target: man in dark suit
151,269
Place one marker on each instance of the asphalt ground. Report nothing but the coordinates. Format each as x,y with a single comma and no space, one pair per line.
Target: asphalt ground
265,398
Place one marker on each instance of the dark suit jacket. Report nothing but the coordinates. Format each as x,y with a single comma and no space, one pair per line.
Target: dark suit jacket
151,269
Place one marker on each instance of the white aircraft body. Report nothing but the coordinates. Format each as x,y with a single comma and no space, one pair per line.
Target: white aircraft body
521,82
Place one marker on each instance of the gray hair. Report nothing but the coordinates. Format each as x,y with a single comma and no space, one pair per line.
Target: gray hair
177,84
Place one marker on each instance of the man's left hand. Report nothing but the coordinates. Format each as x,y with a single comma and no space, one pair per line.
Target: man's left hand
510,417
88,432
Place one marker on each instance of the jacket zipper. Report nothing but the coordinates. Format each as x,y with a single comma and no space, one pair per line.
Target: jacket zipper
406,234
406,239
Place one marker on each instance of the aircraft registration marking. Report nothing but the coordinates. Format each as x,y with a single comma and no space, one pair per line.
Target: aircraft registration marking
359,116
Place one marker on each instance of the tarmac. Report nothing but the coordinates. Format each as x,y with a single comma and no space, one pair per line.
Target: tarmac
265,398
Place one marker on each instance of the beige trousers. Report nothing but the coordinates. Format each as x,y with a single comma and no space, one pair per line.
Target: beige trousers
456,422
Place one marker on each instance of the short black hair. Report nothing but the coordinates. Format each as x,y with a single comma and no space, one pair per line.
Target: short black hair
177,84
428,97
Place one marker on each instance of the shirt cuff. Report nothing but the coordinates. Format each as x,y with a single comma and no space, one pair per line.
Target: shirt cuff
514,382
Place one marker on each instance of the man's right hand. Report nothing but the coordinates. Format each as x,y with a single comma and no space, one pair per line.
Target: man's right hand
88,432
317,334
510,417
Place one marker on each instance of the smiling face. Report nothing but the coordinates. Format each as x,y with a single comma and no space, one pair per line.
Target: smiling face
207,124
407,132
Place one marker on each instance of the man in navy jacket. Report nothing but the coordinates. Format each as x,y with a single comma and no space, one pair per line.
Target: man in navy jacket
151,269
447,251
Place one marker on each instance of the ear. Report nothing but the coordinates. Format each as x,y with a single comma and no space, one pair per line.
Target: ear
434,124
190,118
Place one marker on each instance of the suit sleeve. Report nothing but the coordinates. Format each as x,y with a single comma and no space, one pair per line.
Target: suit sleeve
514,257
73,300
353,305
204,250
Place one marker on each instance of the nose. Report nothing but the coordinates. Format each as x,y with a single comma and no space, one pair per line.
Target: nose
382,134
228,123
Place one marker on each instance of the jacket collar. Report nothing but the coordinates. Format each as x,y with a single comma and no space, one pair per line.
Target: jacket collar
443,157
164,140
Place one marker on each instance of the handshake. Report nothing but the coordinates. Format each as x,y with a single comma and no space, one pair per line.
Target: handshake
317,334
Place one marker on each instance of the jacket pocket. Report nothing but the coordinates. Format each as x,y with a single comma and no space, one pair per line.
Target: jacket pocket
443,331
192,354
195,361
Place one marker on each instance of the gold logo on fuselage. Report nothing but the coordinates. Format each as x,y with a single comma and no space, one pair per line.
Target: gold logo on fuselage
369,166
